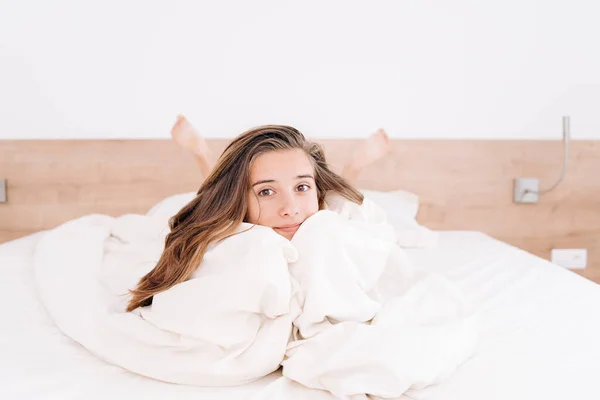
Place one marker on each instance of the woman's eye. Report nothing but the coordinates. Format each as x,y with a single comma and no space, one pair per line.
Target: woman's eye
303,188
265,192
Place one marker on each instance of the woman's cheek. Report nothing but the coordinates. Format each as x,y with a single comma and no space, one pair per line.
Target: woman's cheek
313,205
253,209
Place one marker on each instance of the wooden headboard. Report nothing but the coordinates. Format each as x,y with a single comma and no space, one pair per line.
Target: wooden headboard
463,184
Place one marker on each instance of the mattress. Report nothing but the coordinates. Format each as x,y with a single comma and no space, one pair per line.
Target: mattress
540,333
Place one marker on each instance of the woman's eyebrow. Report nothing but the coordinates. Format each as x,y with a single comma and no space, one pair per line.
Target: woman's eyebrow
305,176
263,181
272,180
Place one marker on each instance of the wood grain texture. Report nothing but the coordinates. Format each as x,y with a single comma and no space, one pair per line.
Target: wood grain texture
463,184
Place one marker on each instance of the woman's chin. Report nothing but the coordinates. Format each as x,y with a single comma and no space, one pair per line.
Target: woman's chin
286,235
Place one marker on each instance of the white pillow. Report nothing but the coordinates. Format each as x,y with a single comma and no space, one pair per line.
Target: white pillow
398,203
400,206
171,205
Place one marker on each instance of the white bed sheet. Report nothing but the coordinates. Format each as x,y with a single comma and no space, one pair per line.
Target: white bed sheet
540,334
540,323
38,362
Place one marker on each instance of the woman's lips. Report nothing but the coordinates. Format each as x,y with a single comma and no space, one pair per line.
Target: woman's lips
288,228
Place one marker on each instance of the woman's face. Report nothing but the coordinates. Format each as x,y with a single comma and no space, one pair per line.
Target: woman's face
283,192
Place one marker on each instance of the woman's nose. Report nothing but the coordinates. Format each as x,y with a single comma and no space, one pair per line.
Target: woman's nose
289,205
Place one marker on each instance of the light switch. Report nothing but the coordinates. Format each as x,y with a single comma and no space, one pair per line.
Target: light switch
2,190
570,258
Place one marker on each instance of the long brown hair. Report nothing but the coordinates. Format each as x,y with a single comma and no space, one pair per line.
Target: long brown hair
221,205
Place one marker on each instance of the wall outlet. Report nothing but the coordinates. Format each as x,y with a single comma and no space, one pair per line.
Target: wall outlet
570,258
527,190
2,190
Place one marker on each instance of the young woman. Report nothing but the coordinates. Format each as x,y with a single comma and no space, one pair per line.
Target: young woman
270,176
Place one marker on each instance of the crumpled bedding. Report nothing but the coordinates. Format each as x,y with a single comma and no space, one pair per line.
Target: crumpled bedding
339,308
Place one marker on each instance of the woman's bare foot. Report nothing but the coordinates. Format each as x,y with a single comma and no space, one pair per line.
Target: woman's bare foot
186,135
374,148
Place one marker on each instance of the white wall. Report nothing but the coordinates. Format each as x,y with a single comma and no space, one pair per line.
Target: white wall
421,69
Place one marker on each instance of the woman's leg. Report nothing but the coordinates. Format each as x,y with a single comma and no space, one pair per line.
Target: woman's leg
187,136
184,134
375,147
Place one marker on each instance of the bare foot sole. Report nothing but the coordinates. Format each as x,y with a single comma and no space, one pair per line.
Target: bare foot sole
185,135
375,147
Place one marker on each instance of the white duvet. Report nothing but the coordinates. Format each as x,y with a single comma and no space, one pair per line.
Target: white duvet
339,307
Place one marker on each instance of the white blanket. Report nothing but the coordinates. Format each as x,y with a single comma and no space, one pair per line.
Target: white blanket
338,306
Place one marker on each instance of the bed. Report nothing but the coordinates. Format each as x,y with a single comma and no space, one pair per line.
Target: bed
540,333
